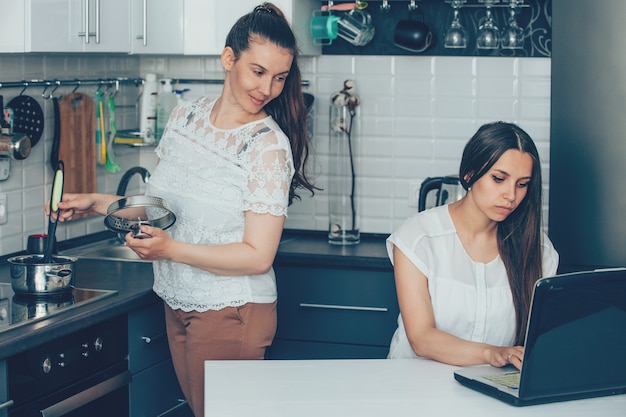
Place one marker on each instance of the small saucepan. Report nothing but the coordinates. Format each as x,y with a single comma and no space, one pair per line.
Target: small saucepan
32,276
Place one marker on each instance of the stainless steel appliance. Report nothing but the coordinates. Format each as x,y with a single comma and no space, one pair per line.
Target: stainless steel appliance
83,373
437,191
587,145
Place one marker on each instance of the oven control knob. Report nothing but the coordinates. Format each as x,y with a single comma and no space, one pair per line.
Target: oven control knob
97,344
46,365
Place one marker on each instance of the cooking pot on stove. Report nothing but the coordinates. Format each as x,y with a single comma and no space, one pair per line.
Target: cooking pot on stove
31,275
440,191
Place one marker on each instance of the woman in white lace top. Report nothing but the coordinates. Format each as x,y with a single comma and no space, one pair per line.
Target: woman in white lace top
228,167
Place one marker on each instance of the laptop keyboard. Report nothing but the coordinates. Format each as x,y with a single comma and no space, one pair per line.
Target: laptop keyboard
508,379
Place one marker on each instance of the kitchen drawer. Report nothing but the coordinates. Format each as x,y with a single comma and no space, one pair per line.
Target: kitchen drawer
155,392
147,340
349,306
289,349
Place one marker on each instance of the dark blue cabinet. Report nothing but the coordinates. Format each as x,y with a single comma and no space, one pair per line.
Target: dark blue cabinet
334,313
154,389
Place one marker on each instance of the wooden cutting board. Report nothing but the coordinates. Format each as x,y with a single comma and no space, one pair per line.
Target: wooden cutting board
77,145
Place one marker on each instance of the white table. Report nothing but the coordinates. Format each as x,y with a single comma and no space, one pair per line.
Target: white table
364,388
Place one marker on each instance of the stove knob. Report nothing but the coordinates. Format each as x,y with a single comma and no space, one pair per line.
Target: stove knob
46,365
3,314
97,344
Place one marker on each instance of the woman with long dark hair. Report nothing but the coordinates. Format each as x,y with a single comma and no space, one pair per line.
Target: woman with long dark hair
465,272
228,167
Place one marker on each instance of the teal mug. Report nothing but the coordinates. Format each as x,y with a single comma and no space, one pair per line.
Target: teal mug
324,28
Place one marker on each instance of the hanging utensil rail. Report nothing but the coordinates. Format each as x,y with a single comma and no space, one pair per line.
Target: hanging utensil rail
101,83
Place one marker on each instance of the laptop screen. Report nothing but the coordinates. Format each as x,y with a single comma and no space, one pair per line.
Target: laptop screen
576,336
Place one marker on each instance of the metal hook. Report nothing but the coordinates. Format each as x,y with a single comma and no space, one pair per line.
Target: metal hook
56,87
385,7
25,88
43,93
412,6
117,89
77,86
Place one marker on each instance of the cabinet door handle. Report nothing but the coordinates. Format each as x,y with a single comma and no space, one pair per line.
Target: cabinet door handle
171,411
97,21
144,30
86,34
145,22
6,405
340,307
150,339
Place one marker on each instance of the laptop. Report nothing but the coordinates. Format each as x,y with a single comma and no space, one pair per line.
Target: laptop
575,343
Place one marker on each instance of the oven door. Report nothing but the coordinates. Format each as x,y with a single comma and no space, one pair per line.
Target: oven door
102,394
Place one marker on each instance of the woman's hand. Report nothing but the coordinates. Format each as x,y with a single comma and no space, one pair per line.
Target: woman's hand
152,248
502,356
72,204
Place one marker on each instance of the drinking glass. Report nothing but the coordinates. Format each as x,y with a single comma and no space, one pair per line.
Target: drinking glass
487,36
512,36
456,35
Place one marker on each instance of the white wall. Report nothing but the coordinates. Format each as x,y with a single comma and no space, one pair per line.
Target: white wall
415,117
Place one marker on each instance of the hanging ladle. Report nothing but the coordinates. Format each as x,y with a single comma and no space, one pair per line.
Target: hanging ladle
55,198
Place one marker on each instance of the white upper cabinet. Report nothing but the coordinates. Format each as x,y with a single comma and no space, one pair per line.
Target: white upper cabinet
157,26
77,26
174,27
207,23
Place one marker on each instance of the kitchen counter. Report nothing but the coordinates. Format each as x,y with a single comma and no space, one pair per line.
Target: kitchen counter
133,281
372,387
307,247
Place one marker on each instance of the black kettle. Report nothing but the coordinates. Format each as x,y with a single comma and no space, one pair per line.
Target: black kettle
448,189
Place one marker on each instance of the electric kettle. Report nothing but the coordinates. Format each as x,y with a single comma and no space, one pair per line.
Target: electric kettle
446,190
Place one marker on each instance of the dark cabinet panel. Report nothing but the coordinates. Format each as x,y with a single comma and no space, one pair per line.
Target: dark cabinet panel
334,313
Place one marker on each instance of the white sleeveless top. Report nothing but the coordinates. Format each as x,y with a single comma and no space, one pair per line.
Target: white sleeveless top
471,300
210,177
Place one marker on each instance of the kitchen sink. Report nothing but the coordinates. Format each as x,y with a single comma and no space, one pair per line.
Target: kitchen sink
106,249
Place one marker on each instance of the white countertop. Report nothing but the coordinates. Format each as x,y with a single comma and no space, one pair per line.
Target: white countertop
364,388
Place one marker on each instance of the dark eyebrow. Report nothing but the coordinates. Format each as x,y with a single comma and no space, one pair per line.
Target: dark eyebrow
508,175
265,69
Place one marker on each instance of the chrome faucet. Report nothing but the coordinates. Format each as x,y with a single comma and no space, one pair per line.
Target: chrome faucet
121,188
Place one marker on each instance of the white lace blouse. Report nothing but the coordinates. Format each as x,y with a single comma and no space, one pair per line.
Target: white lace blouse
210,177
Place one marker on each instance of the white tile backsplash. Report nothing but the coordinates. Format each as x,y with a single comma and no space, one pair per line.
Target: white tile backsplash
415,117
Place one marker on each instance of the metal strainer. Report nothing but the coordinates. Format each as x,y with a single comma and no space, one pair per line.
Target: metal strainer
127,214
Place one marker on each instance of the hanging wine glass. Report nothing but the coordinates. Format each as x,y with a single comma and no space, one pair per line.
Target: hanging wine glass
487,36
512,36
456,35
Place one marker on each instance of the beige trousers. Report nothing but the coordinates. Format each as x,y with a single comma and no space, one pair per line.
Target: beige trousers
231,333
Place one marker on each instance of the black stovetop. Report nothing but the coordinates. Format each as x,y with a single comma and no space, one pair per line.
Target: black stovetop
20,309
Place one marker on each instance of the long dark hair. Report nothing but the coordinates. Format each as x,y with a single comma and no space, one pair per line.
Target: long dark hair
288,109
519,235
